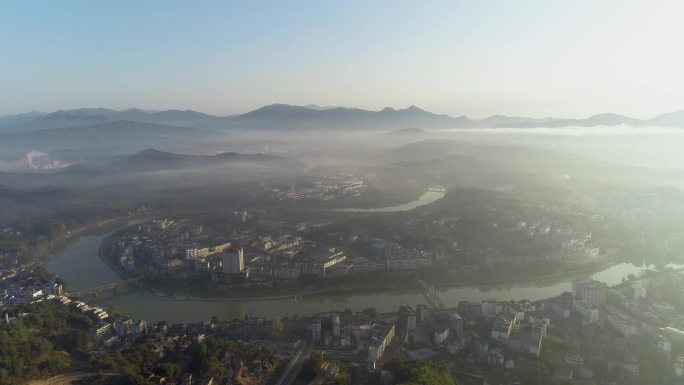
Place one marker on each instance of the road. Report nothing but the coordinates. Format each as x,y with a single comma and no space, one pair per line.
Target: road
295,365
68,379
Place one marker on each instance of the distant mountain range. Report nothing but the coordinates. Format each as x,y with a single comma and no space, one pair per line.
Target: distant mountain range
152,159
282,116
93,133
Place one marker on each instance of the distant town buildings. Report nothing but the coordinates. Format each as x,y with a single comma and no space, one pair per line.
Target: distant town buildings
397,258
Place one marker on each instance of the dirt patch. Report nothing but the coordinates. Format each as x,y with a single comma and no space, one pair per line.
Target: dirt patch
62,379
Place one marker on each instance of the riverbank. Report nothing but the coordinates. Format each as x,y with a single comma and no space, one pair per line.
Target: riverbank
386,283
81,269
560,275
72,235
199,287
189,285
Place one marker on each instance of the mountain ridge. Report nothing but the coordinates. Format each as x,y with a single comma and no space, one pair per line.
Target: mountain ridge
153,159
285,116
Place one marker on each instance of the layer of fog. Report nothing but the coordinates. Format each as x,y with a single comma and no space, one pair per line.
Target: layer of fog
649,147
616,154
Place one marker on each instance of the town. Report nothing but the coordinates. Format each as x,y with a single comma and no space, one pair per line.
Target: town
629,333
341,193
269,248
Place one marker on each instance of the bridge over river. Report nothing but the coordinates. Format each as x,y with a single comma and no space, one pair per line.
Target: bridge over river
111,286
79,266
431,295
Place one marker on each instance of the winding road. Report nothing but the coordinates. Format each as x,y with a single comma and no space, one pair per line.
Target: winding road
294,366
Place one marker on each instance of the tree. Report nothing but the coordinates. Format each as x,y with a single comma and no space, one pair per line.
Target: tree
39,347
168,369
79,340
371,312
411,372
131,377
278,329
59,361
310,366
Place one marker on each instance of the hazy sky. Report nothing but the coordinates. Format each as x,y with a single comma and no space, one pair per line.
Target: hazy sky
540,58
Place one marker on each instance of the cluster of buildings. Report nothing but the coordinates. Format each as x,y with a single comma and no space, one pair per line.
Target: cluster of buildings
517,331
107,331
521,238
159,244
517,325
251,361
199,254
648,327
398,258
319,186
358,332
514,331
520,332
577,247
582,304
167,244
19,286
278,253
261,247
267,268
640,307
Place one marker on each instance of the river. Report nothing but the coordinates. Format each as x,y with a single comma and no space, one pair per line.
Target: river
427,197
79,265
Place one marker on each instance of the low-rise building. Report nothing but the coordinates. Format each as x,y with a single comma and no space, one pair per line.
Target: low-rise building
102,332
381,335
588,311
522,336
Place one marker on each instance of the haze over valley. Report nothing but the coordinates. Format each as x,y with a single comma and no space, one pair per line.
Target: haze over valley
341,193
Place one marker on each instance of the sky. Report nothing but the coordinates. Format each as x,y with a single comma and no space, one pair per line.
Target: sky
481,57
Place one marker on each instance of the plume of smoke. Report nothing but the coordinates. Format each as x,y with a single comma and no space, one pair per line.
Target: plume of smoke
33,155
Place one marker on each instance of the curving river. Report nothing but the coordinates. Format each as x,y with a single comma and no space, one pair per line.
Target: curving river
426,198
79,265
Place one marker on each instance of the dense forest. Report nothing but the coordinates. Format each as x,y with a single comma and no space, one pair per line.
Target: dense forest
39,344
